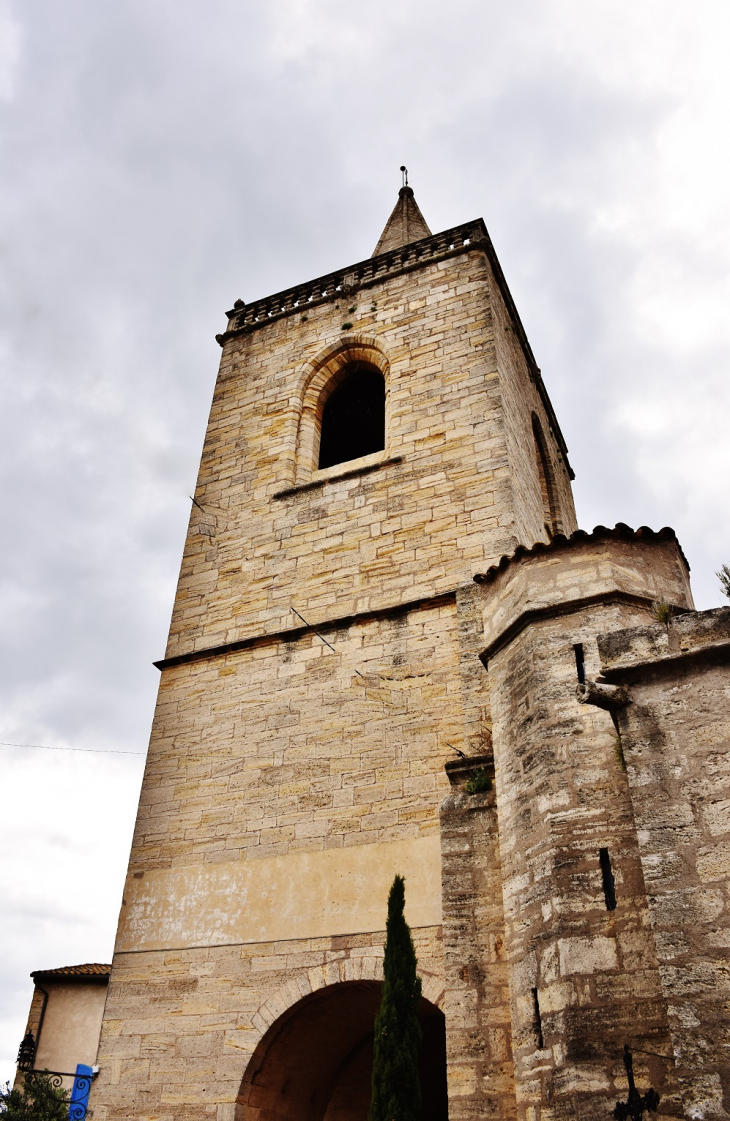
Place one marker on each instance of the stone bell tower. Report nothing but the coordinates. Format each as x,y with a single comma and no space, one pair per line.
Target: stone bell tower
376,437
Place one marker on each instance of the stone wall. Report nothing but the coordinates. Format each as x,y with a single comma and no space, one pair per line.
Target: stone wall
436,506
520,400
584,975
291,746
181,1026
476,981
675,733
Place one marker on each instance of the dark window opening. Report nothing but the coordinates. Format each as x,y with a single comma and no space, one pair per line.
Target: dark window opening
353,420
551,510
537,1023
618,745
609,887
580,664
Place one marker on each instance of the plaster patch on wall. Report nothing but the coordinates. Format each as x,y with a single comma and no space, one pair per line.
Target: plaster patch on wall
300,895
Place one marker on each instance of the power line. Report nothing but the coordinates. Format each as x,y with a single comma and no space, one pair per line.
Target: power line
95,750
118,751
321,637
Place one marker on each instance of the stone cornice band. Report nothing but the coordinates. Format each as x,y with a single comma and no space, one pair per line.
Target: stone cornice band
291,634
343,283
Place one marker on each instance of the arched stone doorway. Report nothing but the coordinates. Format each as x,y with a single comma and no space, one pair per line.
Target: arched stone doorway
315,1061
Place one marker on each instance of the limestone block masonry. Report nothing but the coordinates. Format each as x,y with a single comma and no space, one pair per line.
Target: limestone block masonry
675,734
341,701
584,976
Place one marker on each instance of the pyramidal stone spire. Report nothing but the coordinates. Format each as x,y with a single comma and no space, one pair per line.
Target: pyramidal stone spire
406,224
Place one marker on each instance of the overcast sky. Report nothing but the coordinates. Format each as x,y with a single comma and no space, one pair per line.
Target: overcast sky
160,159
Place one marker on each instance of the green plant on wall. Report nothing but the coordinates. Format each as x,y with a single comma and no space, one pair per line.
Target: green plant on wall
396,1085
36,1100
661,611
479,783
724,577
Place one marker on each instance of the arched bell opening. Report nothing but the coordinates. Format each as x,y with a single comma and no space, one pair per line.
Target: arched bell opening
349,383
315,1062
353,415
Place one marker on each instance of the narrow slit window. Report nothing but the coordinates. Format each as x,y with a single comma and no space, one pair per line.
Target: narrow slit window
580,665
546,477
537,1020
618,745
609,886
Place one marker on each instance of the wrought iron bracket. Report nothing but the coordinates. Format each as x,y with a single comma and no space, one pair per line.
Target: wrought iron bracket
637,1104
77,1107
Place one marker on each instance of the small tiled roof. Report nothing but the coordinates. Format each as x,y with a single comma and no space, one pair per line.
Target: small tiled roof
90,969
620,532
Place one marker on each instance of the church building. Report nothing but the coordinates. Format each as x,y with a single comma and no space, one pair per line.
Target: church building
393,651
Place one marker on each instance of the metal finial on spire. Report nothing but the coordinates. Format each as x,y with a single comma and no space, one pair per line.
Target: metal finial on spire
406,223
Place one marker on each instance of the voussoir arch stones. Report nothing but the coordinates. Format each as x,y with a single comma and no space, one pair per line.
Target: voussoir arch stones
334,973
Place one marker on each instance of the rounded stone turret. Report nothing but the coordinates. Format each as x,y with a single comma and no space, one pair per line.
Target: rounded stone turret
584,974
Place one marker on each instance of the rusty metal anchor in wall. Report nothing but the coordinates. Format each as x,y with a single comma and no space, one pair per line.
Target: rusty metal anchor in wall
637,1104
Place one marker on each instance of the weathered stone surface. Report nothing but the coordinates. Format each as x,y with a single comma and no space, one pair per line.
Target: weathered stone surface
584,979
675,734
406,224
476,1000
464,490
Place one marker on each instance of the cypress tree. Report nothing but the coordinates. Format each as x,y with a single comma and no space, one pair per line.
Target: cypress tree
396,1086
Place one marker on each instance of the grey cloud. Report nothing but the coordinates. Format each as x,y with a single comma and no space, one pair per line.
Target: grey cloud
160,160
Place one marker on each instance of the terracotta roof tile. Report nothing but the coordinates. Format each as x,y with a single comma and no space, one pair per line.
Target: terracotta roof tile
90,969
621,532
